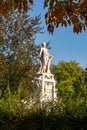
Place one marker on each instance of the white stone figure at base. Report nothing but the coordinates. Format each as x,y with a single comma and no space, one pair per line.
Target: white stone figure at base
45,59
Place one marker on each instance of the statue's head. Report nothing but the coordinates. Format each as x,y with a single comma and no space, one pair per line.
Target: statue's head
44,44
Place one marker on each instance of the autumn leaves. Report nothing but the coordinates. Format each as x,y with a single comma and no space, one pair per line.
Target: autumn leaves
67,13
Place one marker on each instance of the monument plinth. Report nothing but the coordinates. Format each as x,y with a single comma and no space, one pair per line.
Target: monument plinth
44,79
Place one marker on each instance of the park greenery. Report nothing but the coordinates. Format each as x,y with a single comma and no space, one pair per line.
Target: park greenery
19,62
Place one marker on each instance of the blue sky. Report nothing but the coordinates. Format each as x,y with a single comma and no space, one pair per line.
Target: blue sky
65,44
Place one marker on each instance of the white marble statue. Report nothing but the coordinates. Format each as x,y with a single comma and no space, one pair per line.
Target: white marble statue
44,79
45,59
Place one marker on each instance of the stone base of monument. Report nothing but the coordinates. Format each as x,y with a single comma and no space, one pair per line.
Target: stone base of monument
45,84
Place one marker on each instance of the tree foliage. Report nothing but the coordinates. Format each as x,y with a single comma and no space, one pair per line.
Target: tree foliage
64,13
9,5
18,52
71,87
70,79
60,12
68,112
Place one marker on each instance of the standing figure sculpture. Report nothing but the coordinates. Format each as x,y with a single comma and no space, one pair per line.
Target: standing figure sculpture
44,79
45,59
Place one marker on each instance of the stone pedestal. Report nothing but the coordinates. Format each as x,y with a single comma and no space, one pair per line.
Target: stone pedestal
45,83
